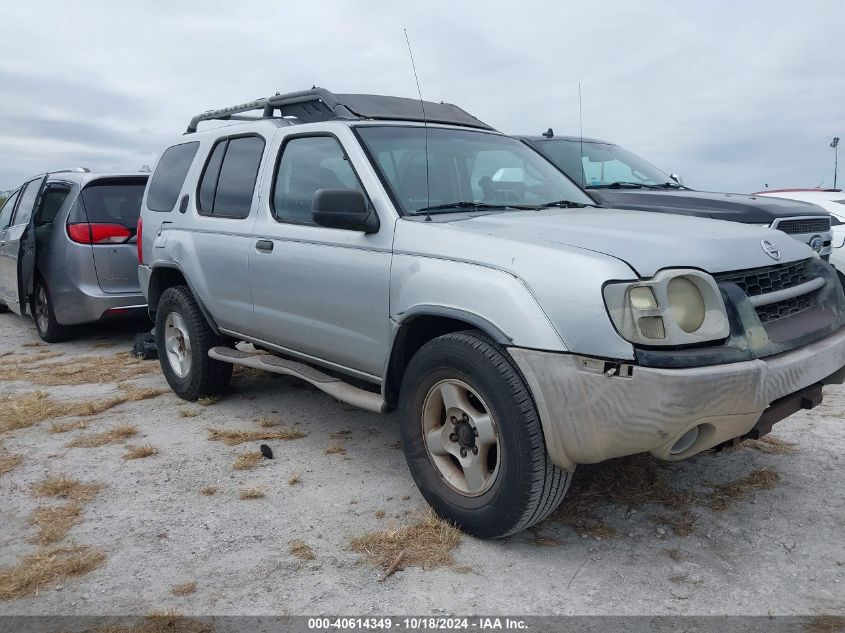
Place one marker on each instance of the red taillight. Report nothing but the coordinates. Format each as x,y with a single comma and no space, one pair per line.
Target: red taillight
85,233
140,245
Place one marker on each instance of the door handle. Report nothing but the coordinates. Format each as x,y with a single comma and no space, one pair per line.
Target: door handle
264,245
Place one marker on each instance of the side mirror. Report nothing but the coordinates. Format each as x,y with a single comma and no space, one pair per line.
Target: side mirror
343,209
676,178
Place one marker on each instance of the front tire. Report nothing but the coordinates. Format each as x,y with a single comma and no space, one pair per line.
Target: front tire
183,338
473,439
41,307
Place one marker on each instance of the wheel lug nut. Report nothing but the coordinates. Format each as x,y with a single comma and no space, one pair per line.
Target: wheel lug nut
475,450
463,452
453,419
453,437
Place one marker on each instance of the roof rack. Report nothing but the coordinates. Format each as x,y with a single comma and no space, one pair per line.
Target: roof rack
318,104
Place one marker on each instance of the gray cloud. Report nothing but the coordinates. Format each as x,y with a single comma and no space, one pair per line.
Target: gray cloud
731,95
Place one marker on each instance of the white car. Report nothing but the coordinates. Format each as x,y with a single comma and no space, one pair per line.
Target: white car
831,200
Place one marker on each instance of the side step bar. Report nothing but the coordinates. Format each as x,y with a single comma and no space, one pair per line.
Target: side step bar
335,387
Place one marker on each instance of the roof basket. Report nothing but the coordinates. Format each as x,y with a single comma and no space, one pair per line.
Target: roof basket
318,104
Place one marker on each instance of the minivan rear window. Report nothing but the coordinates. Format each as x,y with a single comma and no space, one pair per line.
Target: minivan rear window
112,202
170,175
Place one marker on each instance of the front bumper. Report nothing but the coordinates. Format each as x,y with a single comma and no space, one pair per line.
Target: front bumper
589,416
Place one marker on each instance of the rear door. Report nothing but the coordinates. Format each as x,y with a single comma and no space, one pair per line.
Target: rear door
5,221
105,215
17,255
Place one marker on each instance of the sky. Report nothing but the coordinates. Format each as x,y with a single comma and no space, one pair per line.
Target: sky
730,95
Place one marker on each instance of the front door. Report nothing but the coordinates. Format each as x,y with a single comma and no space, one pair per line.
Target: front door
17,255
321,293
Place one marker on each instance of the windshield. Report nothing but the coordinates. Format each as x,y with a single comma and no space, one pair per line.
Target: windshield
600,165
464,170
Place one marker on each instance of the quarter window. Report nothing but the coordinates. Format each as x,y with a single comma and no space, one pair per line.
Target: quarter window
309,164
169,176
228,180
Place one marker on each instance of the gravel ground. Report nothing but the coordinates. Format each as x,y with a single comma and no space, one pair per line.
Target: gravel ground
775,551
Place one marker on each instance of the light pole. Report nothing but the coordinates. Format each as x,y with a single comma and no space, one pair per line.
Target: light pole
835,145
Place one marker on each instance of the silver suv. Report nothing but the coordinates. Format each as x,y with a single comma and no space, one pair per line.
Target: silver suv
366,245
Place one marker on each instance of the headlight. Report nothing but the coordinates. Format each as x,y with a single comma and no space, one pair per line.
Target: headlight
675,307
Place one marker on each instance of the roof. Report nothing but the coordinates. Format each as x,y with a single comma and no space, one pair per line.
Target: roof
83,178
318,104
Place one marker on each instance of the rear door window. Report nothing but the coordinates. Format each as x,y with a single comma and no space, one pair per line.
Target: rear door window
6,211
170,175
51,203
228,180
113,202
27,202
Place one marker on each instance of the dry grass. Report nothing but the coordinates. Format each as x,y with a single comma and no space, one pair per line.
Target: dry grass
341,435
209,491
294,479
188,413
771,445
33,344
725,495
64,427
139,452
682,524
302,550
335,449
35,571
115,435
239,436
825,624
380,514
81,370
54,522
9,462
428,543
185,588
23,410
247,461
675,554
251,493
167,622
207,401
66,488
266,422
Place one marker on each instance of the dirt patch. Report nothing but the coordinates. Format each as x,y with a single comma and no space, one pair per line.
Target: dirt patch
239,436
247,461
35,571
66,488
140,452
115,435
302,550
428,543
9,462
54,522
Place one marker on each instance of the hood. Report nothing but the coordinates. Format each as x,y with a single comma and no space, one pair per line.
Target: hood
645,241
734,207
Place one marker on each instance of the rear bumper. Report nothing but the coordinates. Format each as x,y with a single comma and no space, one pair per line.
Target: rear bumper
86,304
588,416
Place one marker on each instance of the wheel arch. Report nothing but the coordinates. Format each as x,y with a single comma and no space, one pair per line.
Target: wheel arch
168,276
421,325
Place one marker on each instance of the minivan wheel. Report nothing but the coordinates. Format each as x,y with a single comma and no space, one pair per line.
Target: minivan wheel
41,307
183,338
473,439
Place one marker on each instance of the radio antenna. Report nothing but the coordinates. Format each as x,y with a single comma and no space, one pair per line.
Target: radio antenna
425,127
581,137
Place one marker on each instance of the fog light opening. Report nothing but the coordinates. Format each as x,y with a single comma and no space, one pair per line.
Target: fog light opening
685,442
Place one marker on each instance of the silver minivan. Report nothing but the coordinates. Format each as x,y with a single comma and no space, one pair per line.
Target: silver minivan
68,250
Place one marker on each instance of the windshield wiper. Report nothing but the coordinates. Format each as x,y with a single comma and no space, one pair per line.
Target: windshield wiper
565,204
621,184
475,206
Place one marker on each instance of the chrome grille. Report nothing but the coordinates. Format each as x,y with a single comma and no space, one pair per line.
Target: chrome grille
762,281
805,225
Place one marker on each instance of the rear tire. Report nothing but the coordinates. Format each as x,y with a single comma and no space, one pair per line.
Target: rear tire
494,478
41,307
183,338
